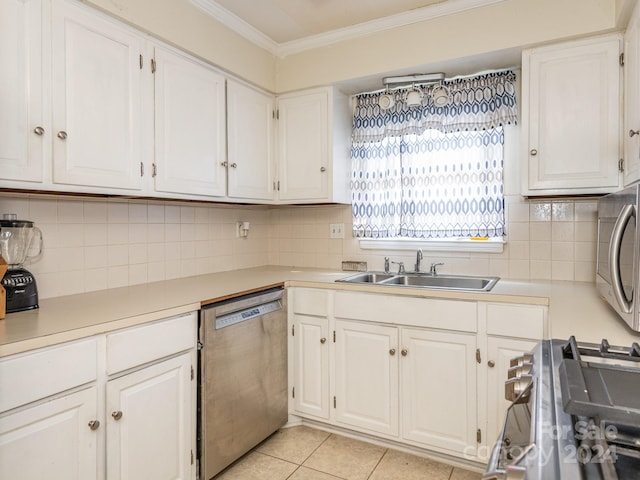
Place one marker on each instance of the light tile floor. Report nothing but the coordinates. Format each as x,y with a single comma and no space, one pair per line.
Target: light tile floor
304,453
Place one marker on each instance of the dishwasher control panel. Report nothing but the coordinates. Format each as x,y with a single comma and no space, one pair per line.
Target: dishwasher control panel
233,318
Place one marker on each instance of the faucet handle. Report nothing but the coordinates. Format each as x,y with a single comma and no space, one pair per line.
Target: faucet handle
433,270
400,266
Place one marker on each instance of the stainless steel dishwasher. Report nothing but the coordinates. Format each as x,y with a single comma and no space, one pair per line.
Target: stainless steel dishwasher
242,376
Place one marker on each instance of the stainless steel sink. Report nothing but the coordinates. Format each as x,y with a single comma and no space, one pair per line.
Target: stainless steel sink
367,277
417,280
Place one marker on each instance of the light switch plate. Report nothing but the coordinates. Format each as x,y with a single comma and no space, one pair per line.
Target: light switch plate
336,230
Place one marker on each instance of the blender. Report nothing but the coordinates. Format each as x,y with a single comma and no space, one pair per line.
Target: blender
16,237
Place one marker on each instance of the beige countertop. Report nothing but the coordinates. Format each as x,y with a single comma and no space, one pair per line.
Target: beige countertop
574,308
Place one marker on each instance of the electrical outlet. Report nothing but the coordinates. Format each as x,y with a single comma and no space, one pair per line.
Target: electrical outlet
336,230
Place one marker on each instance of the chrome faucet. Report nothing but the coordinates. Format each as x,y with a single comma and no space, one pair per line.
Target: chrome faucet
418,258
433,270
386,264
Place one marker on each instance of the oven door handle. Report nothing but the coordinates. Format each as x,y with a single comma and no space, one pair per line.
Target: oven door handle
626,213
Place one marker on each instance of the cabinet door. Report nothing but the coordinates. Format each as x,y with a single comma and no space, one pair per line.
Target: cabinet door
303,145
97,85
571,113
51,439
311,366
500,350
366,376
21,81
149,426
438,389
250,142
631,131
189,126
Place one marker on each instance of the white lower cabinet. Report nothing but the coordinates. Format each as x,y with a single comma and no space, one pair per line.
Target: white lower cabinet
51,440
366,376
511,330
438,385
64,416
425,372
311,365
149,422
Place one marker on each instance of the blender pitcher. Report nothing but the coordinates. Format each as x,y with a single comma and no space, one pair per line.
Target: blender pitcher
15,240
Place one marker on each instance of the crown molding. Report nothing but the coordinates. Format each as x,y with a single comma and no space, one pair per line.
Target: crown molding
236,24
335,36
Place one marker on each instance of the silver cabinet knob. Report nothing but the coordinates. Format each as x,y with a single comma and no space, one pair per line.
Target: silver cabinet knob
491,363
323,340
404,352
224,164
234,165
116,415
392,352
38,130
62,135
534,152
323,169
634,132
94,424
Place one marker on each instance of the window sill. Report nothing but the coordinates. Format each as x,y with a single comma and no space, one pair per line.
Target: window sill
492,245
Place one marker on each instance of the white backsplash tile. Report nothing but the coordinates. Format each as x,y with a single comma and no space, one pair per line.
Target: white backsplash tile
92,244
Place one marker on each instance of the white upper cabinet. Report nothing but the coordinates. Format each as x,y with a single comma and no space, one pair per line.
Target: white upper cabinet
250,137
189,126
96,95
571,117
22,127
313,146
631,130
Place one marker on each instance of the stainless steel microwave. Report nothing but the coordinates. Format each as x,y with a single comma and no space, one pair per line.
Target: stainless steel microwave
618,254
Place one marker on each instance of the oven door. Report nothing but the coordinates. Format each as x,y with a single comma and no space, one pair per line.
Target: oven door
516,443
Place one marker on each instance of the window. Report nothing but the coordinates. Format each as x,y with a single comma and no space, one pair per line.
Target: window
432,172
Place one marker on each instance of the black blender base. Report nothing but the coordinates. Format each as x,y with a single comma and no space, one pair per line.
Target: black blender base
22,292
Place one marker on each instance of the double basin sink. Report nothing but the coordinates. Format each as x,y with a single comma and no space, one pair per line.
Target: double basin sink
467,283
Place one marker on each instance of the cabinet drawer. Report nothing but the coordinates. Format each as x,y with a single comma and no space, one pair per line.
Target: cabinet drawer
31,376
139,345
404,310
523,321
309,301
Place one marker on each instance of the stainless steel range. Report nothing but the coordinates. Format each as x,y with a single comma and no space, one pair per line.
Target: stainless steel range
575,414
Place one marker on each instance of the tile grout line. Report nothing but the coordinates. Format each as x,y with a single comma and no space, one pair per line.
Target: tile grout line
386,450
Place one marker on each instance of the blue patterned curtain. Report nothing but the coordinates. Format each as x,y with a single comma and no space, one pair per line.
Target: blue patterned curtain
432,172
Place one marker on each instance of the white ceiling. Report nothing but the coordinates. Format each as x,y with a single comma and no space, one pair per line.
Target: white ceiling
288,20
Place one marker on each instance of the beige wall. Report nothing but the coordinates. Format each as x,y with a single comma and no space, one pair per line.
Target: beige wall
506,25
179,23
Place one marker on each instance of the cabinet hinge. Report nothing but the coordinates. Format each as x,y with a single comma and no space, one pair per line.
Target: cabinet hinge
621,165
192,457
293,330
154,171
479,436
478,357
141,62
153,65
293,392
334,401
141,169
621,59
192,373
